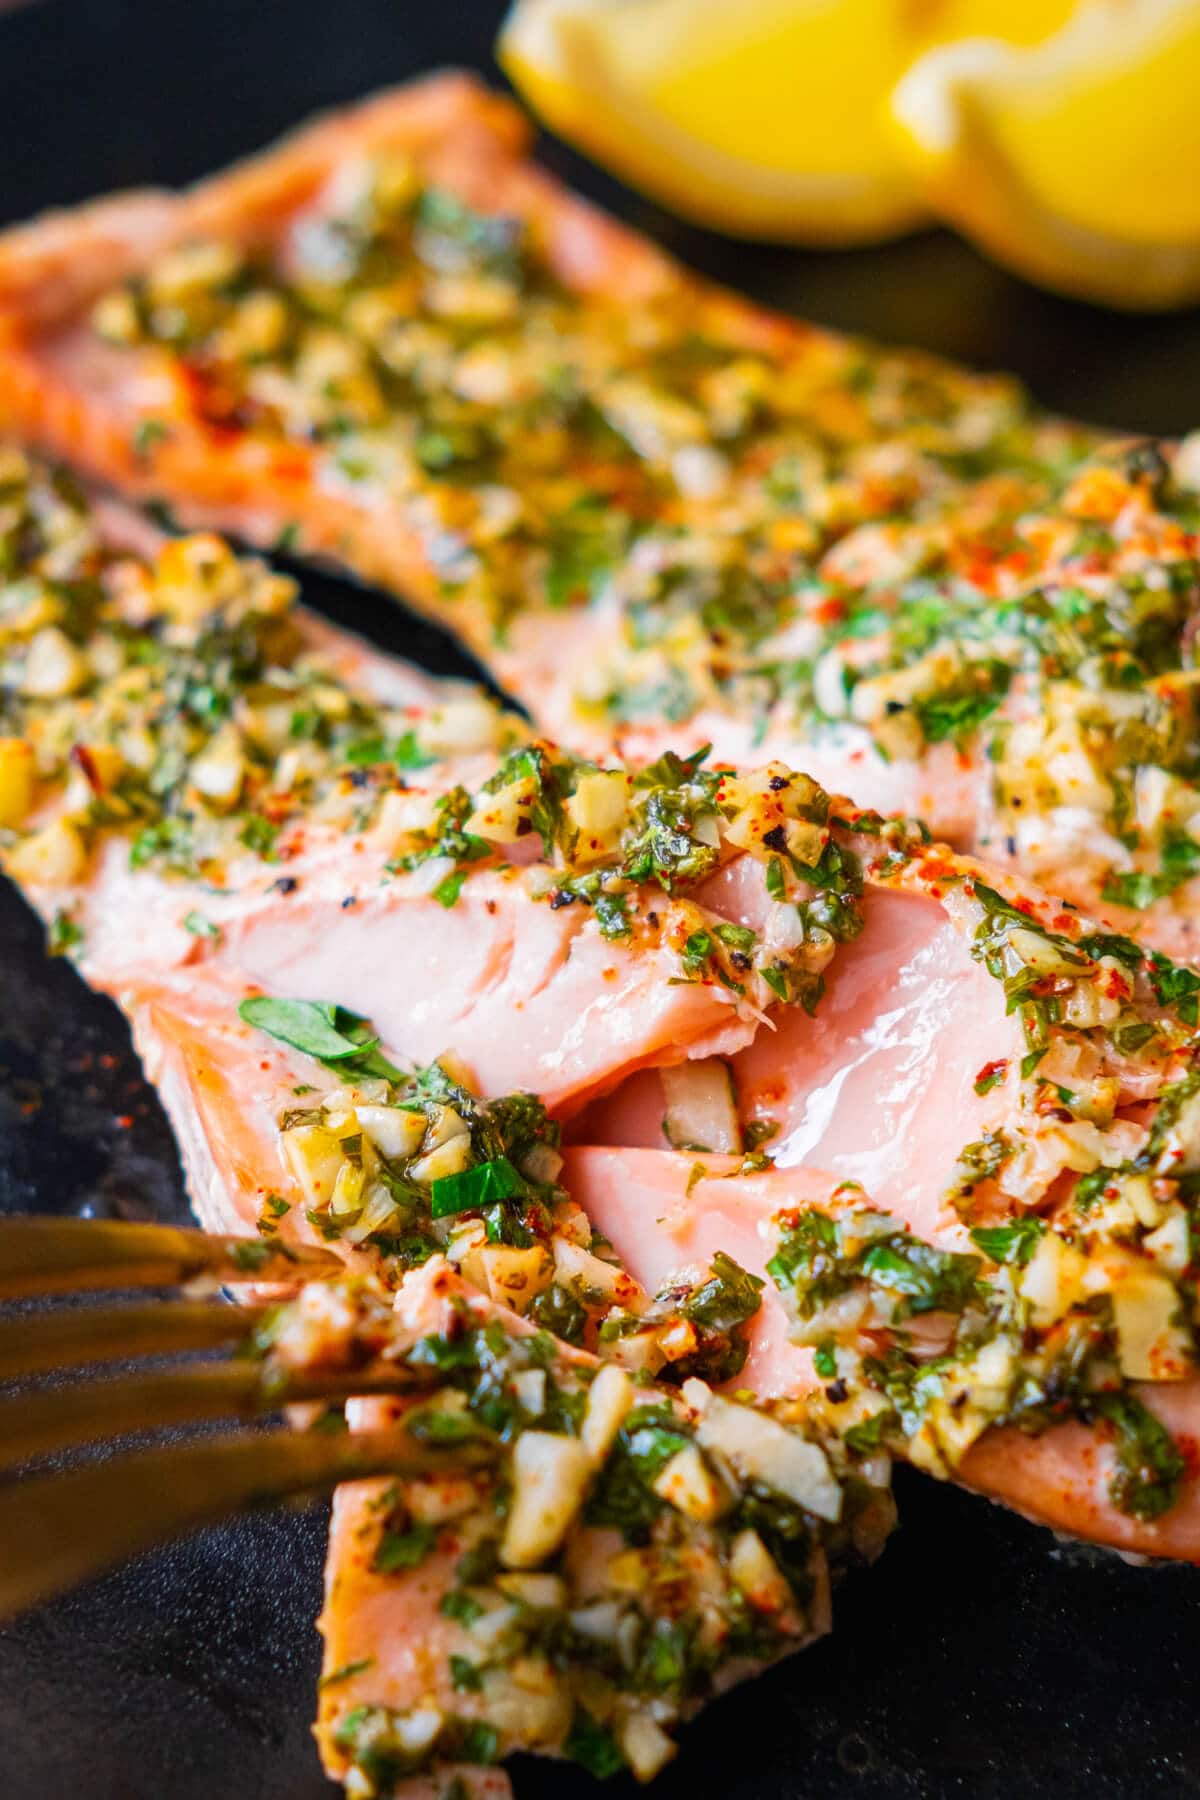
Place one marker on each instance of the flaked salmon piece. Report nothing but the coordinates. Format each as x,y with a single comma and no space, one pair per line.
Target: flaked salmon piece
879,1086
555,1628
665,1212
541,998
965,1015
391,1169
664,1222
548,990
1069,1054
614,302
655,511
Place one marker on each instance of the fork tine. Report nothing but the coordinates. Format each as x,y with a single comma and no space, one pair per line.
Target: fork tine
59,1530
33,1343
90,1412
46,1256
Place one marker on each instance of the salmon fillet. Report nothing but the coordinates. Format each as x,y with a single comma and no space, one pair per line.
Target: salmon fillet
291,866
562,930
926,1020
658,513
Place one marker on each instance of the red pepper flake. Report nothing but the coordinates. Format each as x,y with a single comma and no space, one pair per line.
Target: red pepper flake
938,868
83,759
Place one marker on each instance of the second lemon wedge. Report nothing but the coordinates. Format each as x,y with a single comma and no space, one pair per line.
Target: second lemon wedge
1073,161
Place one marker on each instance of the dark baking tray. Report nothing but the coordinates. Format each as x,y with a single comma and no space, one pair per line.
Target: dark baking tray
981,1657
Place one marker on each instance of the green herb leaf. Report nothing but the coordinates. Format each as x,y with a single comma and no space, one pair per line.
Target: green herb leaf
557,1310
321,1029
259,834
444,1426
729,1297
63,935
1150,1466
1176,987
738,937
1013,1243
612,915
408,753
473,1188
867,1436
479,1743
457,1604
450,887
147,433
930,1280
991,1075
1179,860
404,1549
593,1746
347,1670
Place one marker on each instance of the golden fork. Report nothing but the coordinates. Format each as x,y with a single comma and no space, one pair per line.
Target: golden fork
62,1527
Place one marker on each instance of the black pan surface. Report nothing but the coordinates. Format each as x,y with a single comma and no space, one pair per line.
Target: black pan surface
980,1657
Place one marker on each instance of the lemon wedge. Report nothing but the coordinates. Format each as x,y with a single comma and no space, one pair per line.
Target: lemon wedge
764,119
1073,160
